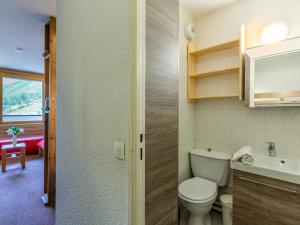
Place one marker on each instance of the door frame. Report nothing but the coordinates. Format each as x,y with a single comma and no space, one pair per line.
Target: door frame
50,117
137,187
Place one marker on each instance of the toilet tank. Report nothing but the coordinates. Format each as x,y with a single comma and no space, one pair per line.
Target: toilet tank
210,164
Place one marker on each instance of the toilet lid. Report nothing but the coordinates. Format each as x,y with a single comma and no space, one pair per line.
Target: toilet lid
197,189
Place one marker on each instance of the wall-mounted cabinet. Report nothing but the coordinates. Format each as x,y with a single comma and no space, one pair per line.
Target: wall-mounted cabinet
217,71
273,74
259,200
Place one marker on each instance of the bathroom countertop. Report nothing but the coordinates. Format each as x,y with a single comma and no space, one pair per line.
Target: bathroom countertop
273,167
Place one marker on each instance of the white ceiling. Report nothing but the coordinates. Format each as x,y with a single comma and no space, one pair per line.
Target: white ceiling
198,8
22,25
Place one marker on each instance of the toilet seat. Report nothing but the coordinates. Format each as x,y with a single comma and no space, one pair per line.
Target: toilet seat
198,190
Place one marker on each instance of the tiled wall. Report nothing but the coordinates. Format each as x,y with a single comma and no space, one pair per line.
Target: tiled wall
227,125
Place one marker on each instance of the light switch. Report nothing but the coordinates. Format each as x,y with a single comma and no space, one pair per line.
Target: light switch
119,150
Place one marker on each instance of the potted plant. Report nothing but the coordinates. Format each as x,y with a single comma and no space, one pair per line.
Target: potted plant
14,131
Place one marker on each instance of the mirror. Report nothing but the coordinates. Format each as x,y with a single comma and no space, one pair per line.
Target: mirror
273,74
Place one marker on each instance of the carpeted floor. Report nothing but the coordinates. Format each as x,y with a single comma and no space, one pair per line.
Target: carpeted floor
20,195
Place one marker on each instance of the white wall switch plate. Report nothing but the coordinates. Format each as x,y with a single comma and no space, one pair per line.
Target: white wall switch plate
119,150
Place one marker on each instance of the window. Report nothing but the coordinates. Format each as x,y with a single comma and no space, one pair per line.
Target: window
21,99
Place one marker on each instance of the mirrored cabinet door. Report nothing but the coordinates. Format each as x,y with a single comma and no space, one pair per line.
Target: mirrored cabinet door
273,75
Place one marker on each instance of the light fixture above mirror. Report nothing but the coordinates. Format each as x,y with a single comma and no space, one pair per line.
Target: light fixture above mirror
274,32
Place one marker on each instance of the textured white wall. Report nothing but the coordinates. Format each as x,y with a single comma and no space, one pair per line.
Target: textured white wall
186,111
224,24
93,95
226,124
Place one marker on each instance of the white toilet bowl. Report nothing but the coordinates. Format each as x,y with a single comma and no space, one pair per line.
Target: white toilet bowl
210,169
198,195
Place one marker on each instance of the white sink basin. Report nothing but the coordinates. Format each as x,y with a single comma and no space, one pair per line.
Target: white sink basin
273,167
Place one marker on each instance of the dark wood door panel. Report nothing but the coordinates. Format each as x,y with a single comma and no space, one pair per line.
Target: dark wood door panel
161,108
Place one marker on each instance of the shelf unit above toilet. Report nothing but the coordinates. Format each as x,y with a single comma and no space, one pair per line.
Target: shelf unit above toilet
222,81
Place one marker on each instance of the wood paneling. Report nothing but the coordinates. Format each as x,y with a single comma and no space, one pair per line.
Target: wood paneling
261,200
30,129
161,119
21,74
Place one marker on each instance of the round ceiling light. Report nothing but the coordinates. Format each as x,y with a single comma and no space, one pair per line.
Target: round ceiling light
18,50
274,32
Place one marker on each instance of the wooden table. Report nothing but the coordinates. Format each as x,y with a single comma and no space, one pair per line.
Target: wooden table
19,151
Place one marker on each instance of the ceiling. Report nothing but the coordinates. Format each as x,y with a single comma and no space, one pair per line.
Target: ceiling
22,26
198,8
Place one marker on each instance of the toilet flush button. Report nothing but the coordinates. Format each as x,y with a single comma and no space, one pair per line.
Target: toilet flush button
119,150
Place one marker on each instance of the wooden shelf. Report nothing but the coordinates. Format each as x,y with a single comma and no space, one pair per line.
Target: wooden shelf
217,96
216,73
285,94
219,83
277,102
216,48
268,98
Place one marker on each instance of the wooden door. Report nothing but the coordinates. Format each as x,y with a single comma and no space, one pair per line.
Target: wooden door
50,112
161,112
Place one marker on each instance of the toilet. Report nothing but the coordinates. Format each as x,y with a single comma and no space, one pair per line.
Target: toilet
210,169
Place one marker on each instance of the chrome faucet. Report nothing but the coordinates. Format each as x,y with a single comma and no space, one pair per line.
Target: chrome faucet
271,149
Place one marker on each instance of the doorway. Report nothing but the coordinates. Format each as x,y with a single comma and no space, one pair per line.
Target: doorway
27,112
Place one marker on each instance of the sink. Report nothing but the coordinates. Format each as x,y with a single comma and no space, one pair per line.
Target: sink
278,164
273,167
